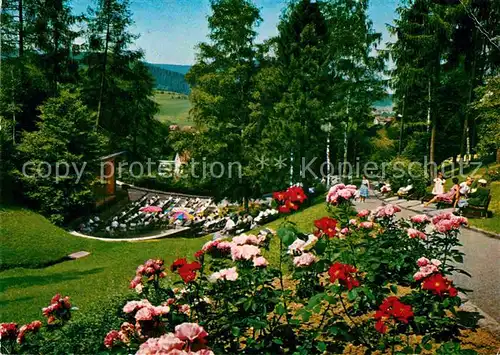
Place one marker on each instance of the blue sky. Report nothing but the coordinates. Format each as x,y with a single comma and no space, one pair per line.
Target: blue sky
170,29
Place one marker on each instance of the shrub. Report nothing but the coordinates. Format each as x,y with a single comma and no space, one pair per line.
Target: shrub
344,288
66,135
401,171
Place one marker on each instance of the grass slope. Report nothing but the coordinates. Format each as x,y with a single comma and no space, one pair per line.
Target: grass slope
28,237
174,108
29,240
89,281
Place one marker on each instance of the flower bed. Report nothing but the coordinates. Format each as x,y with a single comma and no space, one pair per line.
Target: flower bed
363,282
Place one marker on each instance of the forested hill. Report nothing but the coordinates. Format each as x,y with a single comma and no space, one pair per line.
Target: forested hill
169,80
178,68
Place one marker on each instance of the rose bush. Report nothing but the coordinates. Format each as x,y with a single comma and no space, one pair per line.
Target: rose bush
362,279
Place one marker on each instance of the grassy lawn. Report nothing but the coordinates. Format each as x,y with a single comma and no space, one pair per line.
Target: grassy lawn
26,236
174,108
491,224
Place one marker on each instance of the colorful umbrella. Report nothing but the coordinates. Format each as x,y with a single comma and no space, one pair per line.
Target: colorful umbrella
151,209
182,215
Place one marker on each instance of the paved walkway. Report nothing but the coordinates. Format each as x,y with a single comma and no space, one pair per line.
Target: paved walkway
481,260
167,233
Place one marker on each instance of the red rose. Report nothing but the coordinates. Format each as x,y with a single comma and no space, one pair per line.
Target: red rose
392,310
345,274
178,264
439,285
326,225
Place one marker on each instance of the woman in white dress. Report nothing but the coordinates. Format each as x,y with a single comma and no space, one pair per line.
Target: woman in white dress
438,184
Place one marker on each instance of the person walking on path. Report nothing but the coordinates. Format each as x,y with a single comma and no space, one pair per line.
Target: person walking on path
364,189
439,181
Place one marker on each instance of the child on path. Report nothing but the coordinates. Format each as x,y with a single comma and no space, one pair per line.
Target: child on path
363,190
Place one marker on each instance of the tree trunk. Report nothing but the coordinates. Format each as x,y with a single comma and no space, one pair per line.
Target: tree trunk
465,144
428,105
431,119
328,165
13,106
21,29
344,167
401,129
498,155
105,63
55,55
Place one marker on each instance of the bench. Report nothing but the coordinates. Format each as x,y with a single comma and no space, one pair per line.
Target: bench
427,198
476,211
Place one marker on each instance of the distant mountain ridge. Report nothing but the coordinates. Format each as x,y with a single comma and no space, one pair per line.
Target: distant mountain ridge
178,68
170,77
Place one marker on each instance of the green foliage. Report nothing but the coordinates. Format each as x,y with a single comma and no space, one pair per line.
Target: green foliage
65,135
441,58
221,83
383,145
117,84
487,107
402,172
90,328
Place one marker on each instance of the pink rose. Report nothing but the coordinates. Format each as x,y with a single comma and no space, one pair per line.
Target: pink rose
244,252
185,308
304,260
135,281
140,270
389,210
296,246
167,343
111,338
363,213
436,262
366,225
260,261
161,310
425,271
145,313
190,332
442,216
229,274
346,194
427,267
225,274
353,222
225,246
422,261
345,231
249,239
420,218
415,233
130,306
204,352
386,211
418,276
